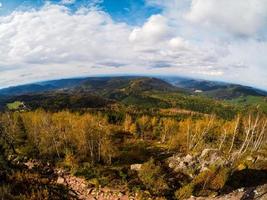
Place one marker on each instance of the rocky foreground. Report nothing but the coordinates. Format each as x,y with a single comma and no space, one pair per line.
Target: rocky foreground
81,189
251,193
83,192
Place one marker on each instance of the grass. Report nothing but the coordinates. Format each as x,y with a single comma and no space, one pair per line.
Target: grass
15,105
251,101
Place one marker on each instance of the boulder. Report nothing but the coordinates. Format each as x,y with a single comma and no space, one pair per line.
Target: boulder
60,180
192,165
188,158
210,157
136,167
185,164
29,164
207,153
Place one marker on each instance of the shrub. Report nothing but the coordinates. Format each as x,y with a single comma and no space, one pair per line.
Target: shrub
205,183
85,171
214,179
153,178
31,186
5,193
185,192
70,162
220,178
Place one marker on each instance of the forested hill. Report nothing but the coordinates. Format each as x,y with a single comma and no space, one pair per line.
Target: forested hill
212,88
216,89
90,83
142,92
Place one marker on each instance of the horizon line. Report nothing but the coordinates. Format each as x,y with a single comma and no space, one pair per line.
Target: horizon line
131,75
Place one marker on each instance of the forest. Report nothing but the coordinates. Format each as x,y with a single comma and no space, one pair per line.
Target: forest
151,156
129,138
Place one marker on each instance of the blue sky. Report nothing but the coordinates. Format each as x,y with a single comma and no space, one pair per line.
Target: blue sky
129,11
218,40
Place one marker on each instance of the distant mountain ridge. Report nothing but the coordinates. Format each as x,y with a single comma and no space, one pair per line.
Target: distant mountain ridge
41,86
90,92
137,91
109,85
90,84
216,89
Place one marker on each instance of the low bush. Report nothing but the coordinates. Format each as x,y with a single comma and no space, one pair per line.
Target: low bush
205,183
25,185
153,178
185,192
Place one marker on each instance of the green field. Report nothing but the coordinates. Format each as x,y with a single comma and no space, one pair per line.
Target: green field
248,101
15,105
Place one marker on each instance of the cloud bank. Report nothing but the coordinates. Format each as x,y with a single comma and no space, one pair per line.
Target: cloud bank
221,40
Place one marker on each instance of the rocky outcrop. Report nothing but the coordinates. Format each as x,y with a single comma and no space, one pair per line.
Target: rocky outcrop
189,164
250,193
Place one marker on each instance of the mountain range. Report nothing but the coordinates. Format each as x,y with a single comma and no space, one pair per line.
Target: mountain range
138,90
213,88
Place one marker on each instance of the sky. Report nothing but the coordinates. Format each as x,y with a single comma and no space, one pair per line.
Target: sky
222,40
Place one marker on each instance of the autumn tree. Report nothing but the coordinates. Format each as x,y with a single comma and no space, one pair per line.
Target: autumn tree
127,123
169,129
144,125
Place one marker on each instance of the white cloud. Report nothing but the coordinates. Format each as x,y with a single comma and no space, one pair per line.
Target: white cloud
52,35
68,2
238,16
155,29
178,43
249,60
54,42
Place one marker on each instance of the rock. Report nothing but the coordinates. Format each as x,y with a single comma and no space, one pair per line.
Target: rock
204,169
83,185
260,192
204,153
241,167
250,158
260,158
124,197
29,164
60,180
183,164
192,165
188,158
136,167
171,165
209,153
210,157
